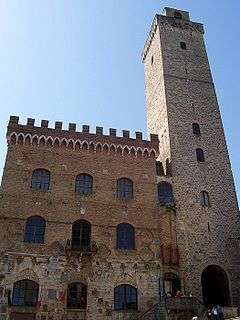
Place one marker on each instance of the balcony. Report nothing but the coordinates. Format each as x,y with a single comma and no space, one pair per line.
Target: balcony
77,248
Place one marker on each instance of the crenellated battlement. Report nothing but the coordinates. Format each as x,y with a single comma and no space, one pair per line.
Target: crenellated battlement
29,134
168,19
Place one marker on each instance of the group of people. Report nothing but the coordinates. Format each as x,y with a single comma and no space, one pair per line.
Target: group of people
179,294
216,313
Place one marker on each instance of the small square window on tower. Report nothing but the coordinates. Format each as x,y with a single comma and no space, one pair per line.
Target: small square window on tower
178,15
183,45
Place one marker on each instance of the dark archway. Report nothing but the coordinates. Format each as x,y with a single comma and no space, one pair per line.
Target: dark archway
172,284
215,286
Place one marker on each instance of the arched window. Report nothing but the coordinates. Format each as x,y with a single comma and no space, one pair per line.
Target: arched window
84,184
81,235
125,237
124,188
196,129
204,199
200,155
35,230
25,293
177,15
165,193
125,297
172,284
183,45
40,179
77,296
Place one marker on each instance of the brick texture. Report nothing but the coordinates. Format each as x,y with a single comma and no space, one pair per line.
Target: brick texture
181,238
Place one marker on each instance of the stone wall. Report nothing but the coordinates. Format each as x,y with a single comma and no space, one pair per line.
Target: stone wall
180,91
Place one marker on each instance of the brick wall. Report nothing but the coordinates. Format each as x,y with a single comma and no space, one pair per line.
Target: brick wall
48,263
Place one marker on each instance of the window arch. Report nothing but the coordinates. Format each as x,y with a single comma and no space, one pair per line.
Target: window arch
200,155
125,297
25,293
77,296
40,179
124,188
204,199
165,192
84,184
196,129
81,235
35,230
125,237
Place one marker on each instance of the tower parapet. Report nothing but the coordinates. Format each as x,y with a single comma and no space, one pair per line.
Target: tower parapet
30,134
171,18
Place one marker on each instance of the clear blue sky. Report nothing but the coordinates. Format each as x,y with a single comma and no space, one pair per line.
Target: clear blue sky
79,61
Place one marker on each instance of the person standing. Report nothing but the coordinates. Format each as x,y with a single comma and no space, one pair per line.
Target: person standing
209,314
220,312
215,313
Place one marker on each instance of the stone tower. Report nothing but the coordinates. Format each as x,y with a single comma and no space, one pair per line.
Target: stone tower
182,109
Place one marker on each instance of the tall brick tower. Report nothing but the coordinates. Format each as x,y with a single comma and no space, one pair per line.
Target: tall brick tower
182,109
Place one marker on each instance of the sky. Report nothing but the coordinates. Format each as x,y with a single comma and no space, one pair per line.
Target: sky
80,61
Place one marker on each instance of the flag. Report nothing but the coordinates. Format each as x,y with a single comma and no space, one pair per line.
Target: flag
62,296
40,299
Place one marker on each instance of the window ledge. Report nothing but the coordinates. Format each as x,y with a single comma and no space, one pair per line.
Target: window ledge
34,244
84,196
23,309
75,310
126,250
127,311
39,190
125,199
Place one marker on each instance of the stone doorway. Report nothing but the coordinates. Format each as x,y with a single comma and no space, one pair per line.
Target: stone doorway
215,286
22,316
172,284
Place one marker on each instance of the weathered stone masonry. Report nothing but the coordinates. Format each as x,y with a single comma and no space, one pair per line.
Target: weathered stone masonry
181,237
66,154
180,92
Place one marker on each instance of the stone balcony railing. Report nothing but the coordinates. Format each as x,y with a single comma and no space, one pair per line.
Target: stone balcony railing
73,248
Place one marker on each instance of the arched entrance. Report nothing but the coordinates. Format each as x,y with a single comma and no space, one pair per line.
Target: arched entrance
172,284
215,286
